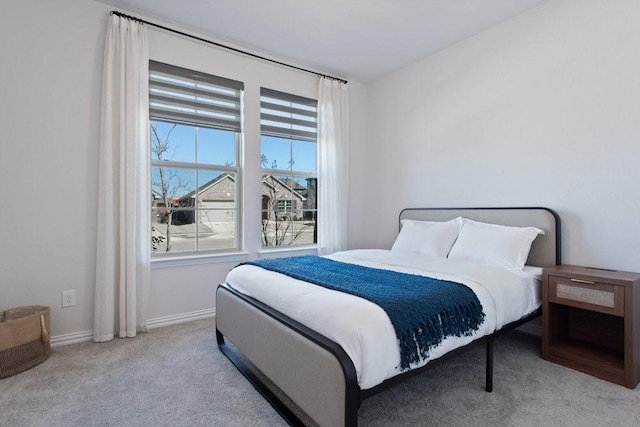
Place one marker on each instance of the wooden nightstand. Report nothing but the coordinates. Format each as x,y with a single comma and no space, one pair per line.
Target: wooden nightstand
591,321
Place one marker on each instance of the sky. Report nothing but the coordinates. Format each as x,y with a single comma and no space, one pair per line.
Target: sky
217,147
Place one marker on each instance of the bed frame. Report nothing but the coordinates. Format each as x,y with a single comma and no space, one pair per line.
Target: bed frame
315,372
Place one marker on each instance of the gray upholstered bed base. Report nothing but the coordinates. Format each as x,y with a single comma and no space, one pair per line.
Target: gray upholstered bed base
314,371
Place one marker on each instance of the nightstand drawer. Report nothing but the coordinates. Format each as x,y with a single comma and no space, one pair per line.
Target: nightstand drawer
601,297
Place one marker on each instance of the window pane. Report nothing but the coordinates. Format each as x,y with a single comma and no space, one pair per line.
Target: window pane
288,154
275,153
276,231
216,147
158,228
218,213
173,186
190,214
283,231
172,213
286,217
172,230
304,156
171,141
277,188
217,229
216,189
183,232
305,229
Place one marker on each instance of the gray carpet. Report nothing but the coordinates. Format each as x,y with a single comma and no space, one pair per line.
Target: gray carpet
175,376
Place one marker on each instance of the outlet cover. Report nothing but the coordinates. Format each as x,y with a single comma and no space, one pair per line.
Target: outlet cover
68,298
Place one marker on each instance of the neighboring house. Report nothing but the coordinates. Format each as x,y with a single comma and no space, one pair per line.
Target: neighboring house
285,198
157,204
216,201
308,193
160,212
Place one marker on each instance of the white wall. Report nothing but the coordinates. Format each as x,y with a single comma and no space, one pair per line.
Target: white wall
49,119
51,77
542,110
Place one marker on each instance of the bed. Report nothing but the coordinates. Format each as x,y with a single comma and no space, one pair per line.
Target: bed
316,361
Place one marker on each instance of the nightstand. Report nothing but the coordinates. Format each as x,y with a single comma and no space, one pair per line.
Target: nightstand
591,321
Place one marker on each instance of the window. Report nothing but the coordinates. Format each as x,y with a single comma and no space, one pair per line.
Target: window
195,172
288,127
285,205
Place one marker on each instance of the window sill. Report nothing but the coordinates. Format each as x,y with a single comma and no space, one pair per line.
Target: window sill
280,252
198,260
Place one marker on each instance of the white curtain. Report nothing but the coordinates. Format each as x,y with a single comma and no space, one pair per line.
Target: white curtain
122,267
333,165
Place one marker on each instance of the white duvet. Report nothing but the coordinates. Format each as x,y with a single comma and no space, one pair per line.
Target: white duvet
363,329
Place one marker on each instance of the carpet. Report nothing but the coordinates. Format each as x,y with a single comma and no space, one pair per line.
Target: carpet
175,376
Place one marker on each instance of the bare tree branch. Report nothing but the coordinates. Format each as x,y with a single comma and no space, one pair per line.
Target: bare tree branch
171,184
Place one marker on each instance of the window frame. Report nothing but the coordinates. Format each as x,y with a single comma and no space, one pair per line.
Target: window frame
231,252
291,174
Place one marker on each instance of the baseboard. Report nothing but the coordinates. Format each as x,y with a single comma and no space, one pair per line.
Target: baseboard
73,338
78,337
180,318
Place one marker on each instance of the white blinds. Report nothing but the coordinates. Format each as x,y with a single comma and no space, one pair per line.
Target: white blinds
288,116
182,95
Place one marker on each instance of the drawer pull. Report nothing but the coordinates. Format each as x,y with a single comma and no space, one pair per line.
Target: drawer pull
588,282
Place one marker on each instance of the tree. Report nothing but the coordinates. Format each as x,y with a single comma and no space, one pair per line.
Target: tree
264,160
277,225
170,184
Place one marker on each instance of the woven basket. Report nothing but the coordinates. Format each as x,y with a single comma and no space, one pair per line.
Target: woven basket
24,339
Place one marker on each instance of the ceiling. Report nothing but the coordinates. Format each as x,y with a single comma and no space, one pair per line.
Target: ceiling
360,40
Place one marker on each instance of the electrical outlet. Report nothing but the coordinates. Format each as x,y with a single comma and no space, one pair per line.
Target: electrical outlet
68,298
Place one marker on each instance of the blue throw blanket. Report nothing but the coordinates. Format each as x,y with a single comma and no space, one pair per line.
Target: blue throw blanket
423,310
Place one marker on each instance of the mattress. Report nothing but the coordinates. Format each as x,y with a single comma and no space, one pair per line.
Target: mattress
364,330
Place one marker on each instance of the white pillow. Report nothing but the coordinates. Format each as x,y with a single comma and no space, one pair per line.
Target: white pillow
427,237
492,244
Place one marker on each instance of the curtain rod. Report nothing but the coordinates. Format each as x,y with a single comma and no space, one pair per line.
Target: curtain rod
253,55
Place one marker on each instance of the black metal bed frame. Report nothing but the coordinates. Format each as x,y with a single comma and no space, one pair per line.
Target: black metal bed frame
354,395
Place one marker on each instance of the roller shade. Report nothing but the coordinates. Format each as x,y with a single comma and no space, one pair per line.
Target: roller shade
182,95
288,116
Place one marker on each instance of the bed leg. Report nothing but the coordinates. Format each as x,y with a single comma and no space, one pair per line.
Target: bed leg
489,371
219,338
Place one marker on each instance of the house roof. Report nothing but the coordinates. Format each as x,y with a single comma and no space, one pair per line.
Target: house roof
289,183
296,188
207,185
